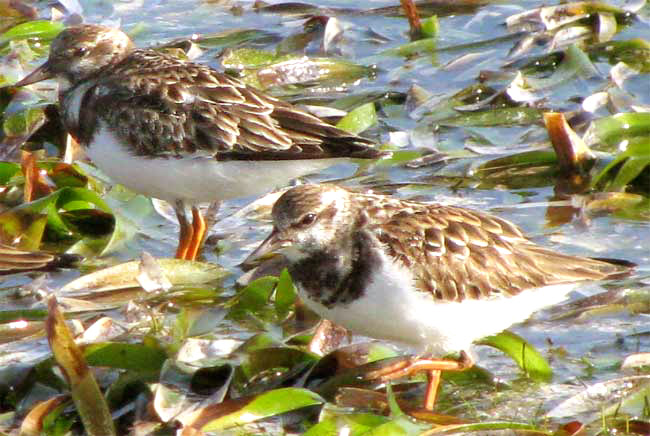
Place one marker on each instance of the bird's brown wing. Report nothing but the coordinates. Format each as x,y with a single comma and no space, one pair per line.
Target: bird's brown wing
170,106
458,254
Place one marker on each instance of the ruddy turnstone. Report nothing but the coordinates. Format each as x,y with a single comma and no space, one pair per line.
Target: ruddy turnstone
181,131
431,276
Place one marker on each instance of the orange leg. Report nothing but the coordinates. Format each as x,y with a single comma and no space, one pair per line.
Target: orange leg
433,367
198,233
186,231
433,380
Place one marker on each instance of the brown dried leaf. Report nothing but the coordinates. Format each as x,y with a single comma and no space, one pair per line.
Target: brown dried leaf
572,153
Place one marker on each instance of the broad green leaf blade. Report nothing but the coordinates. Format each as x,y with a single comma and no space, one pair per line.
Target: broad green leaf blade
22,229
355,424
522,352
248,58
402,425
359,119
495,427
135,357
496,117
285,294
629,164
612,130
7,171
40,29
19,126
262,406
630,170
257,293
430,27
75,198
7,316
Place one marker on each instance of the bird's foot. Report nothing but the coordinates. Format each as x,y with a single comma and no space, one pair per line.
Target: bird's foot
433,368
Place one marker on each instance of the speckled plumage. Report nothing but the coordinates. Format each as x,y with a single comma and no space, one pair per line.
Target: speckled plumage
430,275
181,131
454,253
162,106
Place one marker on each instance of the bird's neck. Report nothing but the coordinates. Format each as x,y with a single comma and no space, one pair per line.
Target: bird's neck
336,276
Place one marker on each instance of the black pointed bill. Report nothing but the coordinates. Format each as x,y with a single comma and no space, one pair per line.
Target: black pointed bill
272,244
38,75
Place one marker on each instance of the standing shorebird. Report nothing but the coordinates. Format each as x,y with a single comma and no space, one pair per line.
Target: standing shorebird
427,275
180,131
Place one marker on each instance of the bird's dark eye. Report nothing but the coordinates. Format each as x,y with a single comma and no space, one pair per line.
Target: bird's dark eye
308,219
80,51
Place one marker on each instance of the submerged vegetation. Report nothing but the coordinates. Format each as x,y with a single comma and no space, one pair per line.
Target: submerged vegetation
537,112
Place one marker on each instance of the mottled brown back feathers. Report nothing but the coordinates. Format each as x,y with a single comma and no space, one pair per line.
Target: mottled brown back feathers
165,106
453,253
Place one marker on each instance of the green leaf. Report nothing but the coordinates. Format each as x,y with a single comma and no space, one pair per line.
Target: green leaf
7,171
23,123
40,29
359,119
248,58
311,70
629,164
257,293
630,170
57,422
273,358
612,130
356,424
495,117
494,427
25,227
7,316
522,160
378,351
61,200
135,357
430,27
402,425
411,48
527,357
268,404
285,294
634,52
72,198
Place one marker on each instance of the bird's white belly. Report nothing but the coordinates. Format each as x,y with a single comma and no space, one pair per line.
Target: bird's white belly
194,179
392,309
